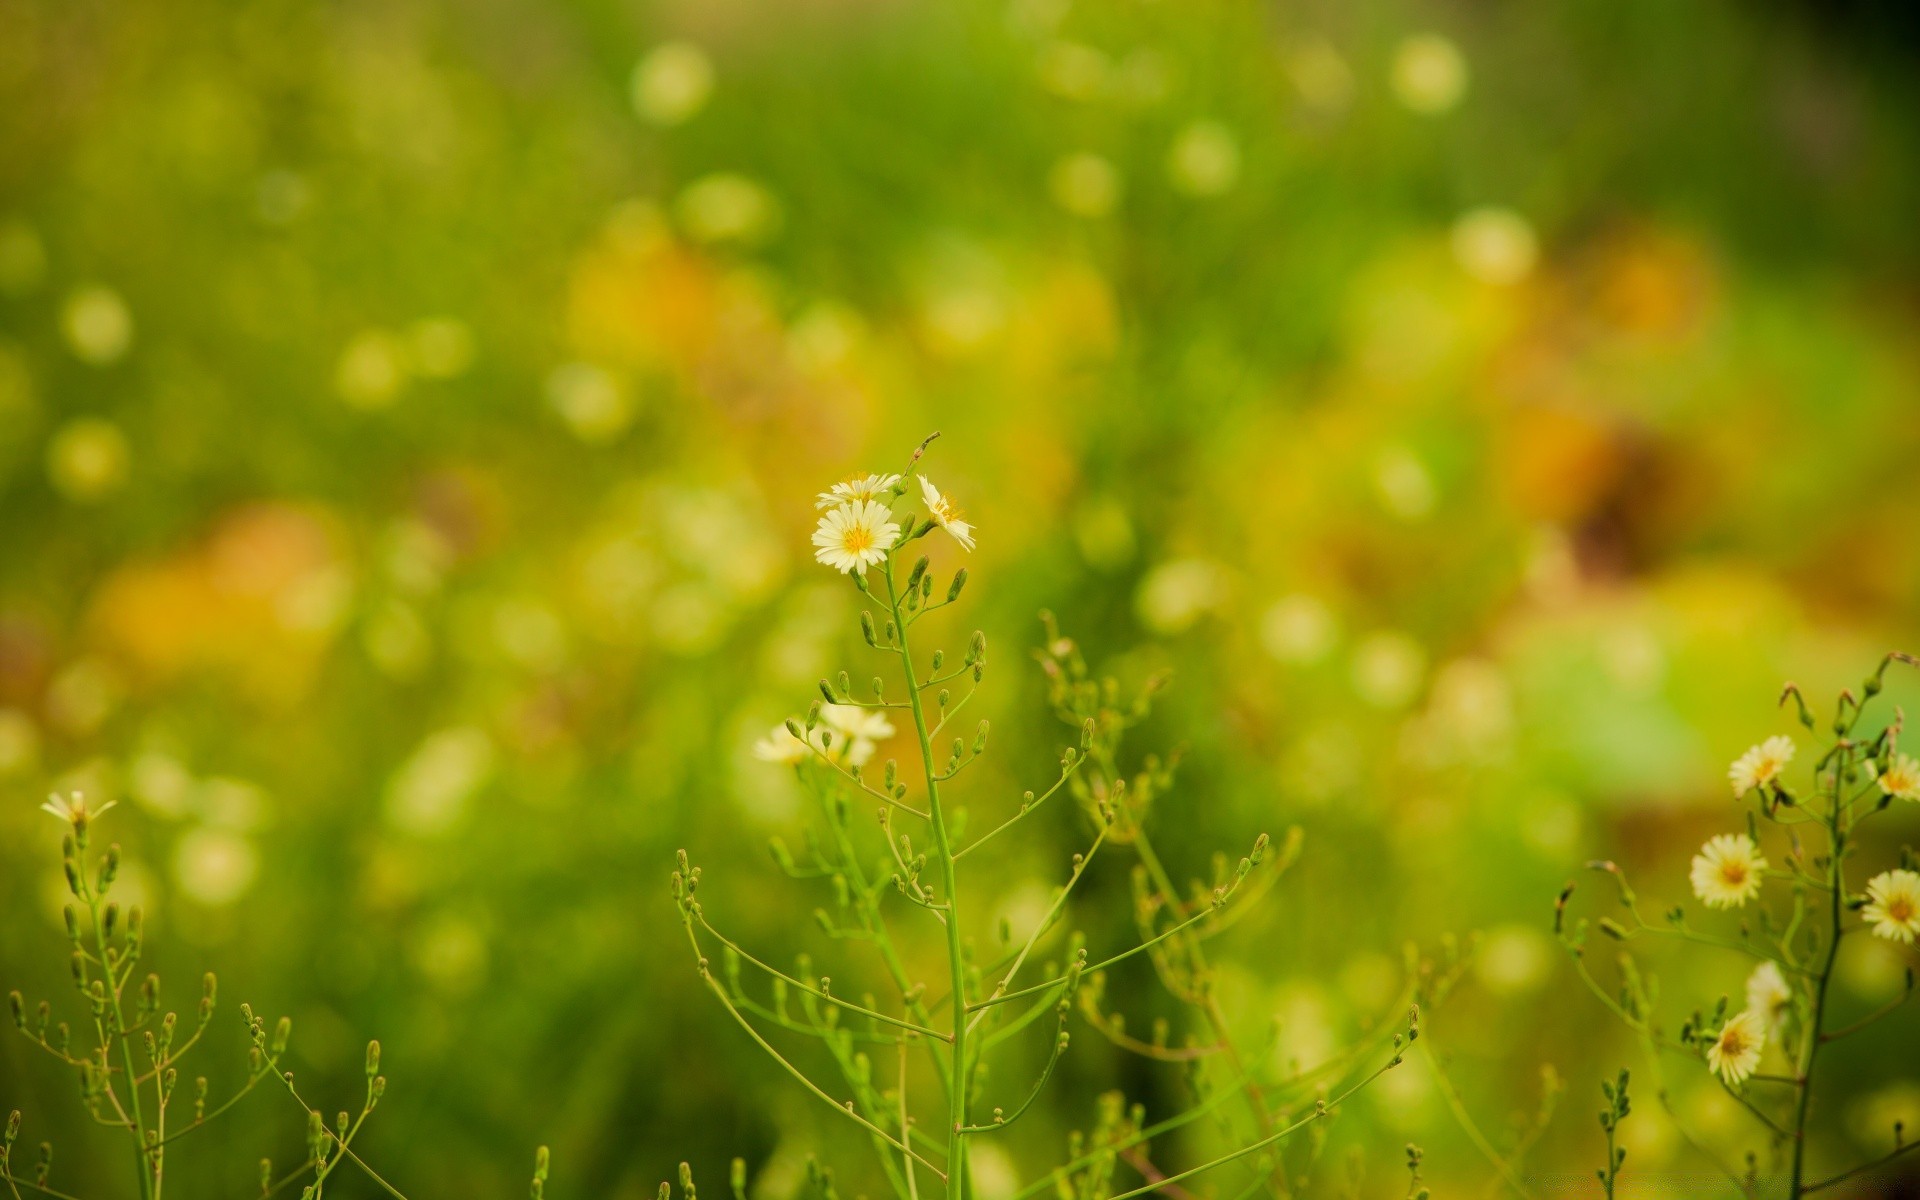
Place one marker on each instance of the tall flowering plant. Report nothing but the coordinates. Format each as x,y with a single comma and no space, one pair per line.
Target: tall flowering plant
1788,916
918,1075
128,1051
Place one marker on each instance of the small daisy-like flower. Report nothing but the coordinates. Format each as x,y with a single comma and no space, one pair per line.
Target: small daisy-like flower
1893,905
780,746
856,730
856,489
854,536
1768,995
1726,872
1901,779
73,808
1734,1052
946,513
1761,765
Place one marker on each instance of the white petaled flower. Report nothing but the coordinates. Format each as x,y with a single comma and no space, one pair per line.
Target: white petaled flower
1726,872
1734,1053
849,491
1768,995
946,513
73,808
780,746
1901,779
855,536
856,730
1893,905
1761,765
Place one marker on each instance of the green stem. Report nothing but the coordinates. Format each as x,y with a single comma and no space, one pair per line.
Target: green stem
126,1049
1836,895
959,1077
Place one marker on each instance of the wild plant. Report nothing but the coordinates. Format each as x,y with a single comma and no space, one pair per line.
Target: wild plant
919,1075
1803,910
127,1052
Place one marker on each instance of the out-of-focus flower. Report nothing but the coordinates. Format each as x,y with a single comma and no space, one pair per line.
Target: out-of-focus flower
1734,1053
1768,995
1388,669
1404,484
161,784
1495,245
946,513
1073,71
1429,73
83,695
1298,629
1105,532
860,729
1901,779
1175,595
215,866
440,347
1513,959
97,324
431,790
1760,765
1726,873
1141,79
590,400
1895,1106
856,489
23,259
451,954
780,746
1204,160
1085,185
671,83
87,459
854,537
19,742
847,733
991,1172
1323,78
397,641
1893,905
728,207
824,337
372,370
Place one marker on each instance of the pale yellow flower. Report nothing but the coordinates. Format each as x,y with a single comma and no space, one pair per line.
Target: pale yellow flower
73,808
1893,905
1901,779
946,513
1726,872
856,489
855,536
1735,1052
856,730
1761,765
780,746
1768,995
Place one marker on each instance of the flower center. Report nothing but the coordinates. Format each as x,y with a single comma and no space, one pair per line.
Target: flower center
856,539
1732,1044
1733,874
1900,909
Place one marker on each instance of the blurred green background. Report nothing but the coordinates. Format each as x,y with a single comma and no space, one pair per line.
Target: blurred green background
410,414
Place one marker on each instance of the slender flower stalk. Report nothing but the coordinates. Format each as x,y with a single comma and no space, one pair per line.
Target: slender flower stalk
921,907
1809,907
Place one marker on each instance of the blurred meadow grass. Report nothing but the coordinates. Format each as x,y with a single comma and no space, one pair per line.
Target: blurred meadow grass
409,414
